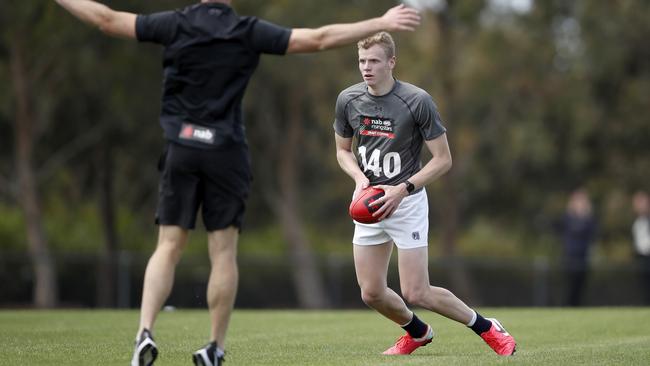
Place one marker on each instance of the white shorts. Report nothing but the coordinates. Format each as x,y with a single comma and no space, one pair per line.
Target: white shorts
407,227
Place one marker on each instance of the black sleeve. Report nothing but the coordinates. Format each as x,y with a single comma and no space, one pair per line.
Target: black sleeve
157,27
267,37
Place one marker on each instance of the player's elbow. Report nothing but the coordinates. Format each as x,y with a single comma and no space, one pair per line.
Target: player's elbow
307,41
446,164
106,27
320,41
341,154
105,20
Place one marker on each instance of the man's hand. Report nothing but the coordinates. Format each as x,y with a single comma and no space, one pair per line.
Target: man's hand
361,184
401,18
392,198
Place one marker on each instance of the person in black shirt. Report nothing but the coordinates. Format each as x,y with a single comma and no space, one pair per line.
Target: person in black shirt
210,53
579,229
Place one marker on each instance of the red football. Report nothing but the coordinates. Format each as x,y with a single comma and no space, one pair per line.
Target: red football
360,209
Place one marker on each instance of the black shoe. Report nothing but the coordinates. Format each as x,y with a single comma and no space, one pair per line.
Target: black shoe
208,356
145,352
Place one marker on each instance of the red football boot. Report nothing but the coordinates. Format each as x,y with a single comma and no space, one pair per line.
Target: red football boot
407,344
499,339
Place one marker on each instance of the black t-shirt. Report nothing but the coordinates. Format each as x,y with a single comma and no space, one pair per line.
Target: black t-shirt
210,54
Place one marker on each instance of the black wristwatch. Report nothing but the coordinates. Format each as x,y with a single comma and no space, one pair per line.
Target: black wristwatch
410,187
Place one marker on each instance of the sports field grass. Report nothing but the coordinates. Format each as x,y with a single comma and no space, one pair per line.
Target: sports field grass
600,336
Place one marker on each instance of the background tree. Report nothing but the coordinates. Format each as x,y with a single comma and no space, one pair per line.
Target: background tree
537,100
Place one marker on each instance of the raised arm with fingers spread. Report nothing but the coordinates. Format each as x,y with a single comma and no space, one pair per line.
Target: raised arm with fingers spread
109,21
398,18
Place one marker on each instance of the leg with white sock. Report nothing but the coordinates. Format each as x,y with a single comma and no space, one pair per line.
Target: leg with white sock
417,291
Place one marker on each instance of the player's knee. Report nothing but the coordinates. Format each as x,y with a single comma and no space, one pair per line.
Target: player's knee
415,296
442,294
372,296
441,298
171,250
223,249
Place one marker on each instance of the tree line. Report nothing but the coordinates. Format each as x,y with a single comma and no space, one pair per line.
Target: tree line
536,103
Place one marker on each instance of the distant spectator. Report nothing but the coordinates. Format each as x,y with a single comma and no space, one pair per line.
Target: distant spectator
641,238
578,231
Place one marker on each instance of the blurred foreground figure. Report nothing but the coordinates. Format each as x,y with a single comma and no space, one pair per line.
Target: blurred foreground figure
641,238
210,55
391,121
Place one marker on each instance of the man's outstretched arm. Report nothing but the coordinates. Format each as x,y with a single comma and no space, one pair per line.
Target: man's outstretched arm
398,18
109,21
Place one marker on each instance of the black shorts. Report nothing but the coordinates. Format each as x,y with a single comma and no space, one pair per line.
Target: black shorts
218,181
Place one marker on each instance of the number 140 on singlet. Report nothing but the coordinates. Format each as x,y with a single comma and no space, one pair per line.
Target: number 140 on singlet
391,165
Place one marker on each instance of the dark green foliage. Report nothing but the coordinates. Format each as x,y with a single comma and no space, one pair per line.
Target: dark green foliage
540,107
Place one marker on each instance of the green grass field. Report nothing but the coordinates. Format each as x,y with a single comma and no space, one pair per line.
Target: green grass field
595,336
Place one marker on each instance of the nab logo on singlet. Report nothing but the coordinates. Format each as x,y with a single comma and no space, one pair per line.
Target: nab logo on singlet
376,126
197,133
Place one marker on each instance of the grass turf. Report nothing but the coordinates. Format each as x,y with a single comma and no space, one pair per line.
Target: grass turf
595,336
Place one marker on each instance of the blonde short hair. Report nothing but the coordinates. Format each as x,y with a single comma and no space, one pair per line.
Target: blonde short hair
383,39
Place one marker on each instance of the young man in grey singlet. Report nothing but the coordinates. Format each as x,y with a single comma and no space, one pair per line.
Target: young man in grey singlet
391,121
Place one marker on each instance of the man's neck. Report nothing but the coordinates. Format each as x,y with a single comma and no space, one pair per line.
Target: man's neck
383,88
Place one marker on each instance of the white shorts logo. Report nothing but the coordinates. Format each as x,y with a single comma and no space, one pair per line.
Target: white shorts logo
415,235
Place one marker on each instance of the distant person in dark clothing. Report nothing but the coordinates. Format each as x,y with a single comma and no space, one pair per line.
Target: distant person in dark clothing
641,238
578,230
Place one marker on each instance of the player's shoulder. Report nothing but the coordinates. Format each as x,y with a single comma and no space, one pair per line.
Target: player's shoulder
410,91
352,92
413,96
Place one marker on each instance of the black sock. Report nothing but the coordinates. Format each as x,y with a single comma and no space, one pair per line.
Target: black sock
416,328
146,333
481,325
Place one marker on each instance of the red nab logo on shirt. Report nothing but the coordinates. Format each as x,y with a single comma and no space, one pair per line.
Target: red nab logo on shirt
376,126
197,133
187,132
